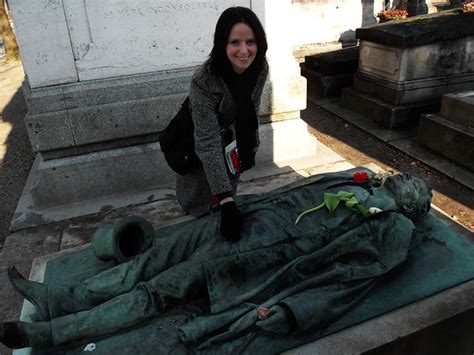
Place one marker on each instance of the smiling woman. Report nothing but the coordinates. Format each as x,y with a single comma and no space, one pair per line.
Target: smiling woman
242,47
224,100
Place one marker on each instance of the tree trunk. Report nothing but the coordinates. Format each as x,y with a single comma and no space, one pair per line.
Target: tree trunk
8,37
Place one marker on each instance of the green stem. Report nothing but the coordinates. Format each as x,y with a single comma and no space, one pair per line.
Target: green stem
314,209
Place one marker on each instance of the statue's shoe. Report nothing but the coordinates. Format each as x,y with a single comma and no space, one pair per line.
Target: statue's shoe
34,292
13,336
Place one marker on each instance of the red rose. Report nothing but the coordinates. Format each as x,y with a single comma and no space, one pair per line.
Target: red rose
360,177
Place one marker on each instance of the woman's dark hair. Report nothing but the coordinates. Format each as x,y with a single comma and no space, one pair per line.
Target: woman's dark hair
218,57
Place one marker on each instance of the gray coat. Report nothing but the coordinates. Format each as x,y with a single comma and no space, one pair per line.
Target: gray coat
209,92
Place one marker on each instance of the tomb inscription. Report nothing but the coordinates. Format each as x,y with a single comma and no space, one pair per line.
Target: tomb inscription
140,36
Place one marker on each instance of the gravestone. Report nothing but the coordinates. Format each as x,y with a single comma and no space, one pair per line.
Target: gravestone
406,66
104,77
451,132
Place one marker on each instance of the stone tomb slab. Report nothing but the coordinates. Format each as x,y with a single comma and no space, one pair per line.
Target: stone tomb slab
450,139
420,30
385,114
441,257
410,64
459,107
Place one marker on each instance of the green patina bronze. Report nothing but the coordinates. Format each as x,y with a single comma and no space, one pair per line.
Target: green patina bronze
201,293
123,240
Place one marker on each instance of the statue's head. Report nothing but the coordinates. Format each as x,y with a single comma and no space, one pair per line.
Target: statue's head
412,195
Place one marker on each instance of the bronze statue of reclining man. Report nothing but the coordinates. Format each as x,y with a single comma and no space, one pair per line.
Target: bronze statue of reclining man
280,276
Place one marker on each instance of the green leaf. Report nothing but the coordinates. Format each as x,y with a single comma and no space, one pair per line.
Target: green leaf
350,203
331,201
344,195
362,210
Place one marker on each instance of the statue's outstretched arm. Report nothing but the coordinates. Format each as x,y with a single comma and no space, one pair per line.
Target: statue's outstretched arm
315,308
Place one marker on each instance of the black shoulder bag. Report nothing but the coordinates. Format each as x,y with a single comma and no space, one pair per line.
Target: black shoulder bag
177,141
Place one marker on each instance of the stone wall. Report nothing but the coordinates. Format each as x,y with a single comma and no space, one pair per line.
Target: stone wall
101,39
104,77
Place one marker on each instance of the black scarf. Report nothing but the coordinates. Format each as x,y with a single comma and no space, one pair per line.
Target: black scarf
246,124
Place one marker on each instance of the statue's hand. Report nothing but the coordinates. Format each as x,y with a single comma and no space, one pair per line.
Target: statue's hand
278,320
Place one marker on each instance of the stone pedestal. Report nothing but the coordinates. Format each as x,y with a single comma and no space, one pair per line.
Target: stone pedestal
405,67
451,133
103,78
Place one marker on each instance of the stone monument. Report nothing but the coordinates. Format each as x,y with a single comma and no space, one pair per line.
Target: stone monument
406,66
103,78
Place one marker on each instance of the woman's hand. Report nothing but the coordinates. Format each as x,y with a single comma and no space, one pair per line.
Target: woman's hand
277,320
232,221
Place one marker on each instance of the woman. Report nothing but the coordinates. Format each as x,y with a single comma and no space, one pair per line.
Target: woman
224,101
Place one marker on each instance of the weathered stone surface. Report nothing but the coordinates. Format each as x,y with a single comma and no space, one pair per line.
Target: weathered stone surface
325,85
49,131
459,107
95,124
163,35
327,73
67,180
383,113
283,94
91,176
319,22
44,45
413,91
405,67
343,61
452,140
418,64
420,30
285,140
107,91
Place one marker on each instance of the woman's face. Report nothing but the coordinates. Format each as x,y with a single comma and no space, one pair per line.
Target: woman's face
241,47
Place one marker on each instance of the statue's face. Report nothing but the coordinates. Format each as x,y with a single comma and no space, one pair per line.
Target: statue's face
411,194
